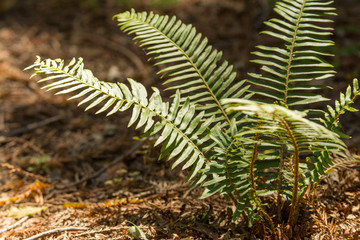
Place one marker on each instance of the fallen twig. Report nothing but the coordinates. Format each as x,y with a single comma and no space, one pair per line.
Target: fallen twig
33,126
23,142
13,168
102,231
43,234
18,223
189,190
115,161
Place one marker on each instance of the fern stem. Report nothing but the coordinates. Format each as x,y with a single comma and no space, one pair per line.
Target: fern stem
233,199
291,53
196,69
294,202
252,163
253,187
281,165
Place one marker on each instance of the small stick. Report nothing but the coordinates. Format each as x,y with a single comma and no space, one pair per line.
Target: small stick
13,168
102,231
2,119
43,234
115,161
23,142
33,126
18,223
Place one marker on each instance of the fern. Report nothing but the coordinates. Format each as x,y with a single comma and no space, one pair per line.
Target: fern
289,70
343,105
245,150
277,126
182,130
344,162
256,148
196,70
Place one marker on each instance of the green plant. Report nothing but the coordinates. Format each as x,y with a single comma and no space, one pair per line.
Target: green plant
244,140
136,232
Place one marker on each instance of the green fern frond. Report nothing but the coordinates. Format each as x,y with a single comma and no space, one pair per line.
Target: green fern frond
191,64
320,163
343,105
288,71
182,131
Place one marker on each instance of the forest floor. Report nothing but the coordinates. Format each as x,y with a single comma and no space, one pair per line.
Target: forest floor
57,169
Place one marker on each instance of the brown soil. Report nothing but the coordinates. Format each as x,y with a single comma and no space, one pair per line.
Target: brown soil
48,145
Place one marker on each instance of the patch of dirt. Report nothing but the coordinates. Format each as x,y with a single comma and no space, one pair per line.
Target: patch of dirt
48,145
